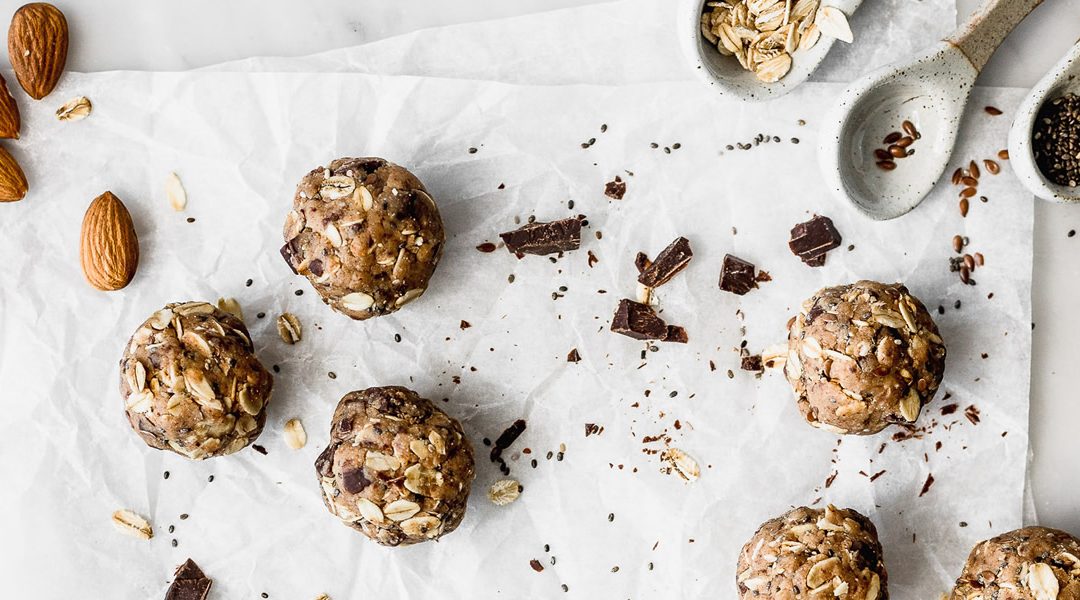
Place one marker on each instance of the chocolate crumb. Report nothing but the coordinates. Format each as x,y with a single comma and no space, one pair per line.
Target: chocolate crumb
574,356
536,566
465,324
676,335
615,189
752,363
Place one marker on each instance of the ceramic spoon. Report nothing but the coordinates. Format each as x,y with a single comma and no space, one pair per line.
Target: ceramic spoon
727,75
930,91
1062,79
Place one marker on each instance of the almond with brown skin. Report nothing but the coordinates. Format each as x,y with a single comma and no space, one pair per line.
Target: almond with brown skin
37,47
110,249
9,113
12,180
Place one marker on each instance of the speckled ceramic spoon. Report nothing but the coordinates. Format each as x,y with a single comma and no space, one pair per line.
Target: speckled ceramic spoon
1064,78
931,91
726,74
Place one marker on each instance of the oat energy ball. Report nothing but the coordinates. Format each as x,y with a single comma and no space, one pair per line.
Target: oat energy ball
862,356
366,234
398,469
810,553
191,382
1033,563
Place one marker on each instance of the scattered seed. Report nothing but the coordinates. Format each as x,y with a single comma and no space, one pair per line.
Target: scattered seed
957,176
1003,154
886,165
968,192
991,167
973,169
992,111
892,138
957,243
963,207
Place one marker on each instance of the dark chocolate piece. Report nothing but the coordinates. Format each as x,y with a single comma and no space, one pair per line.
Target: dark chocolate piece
752,363
641,262
615,189
668,263
189,583
638,321
288,252
737,275
544,238
676,335
574,356
812,239
506,438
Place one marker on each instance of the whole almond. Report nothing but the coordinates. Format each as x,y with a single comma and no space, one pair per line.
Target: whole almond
37,47
9,113
12,180
109,251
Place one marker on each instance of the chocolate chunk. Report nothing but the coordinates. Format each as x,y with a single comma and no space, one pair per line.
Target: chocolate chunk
737,275
676,335
544,238
641,262
325,463
812,239
638,321
354,481
316,267
752,363
615,189
189,583
288,252
668,263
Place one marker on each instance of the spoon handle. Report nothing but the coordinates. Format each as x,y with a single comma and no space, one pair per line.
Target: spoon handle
988,27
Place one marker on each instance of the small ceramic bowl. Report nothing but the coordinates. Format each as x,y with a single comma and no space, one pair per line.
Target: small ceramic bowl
727,75
1062,79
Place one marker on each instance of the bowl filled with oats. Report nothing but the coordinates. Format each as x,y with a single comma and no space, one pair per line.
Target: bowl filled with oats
761,49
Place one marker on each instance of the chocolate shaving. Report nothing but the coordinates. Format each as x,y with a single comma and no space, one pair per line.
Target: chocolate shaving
544,238
638,321
668,263
737,275
504,441
615,189
926,486
812,239
189,583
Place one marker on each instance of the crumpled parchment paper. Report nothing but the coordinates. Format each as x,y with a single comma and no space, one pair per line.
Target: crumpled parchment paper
241,141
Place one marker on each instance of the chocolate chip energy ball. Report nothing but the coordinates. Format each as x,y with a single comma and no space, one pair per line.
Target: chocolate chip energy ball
1033,563
398,469
810,553
862,356
191,382
366,234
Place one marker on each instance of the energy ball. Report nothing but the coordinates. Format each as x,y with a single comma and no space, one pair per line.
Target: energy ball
863,356
366,234
191,382
398,469
810,553
1033,563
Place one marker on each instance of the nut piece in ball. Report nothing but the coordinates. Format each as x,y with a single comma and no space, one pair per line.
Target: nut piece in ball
398,469
366,234
191,382
863,356
810,553
1033,563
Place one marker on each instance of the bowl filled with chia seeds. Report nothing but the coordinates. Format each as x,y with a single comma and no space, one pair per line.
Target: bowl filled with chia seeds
1044,142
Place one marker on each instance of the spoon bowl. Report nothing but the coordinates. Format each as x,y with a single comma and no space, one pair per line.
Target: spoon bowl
930,90
727,75
878,106
1060,80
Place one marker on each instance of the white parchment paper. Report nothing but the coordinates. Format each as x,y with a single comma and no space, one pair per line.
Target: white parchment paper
240,142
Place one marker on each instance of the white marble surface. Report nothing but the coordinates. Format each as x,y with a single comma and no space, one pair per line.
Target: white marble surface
160,35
